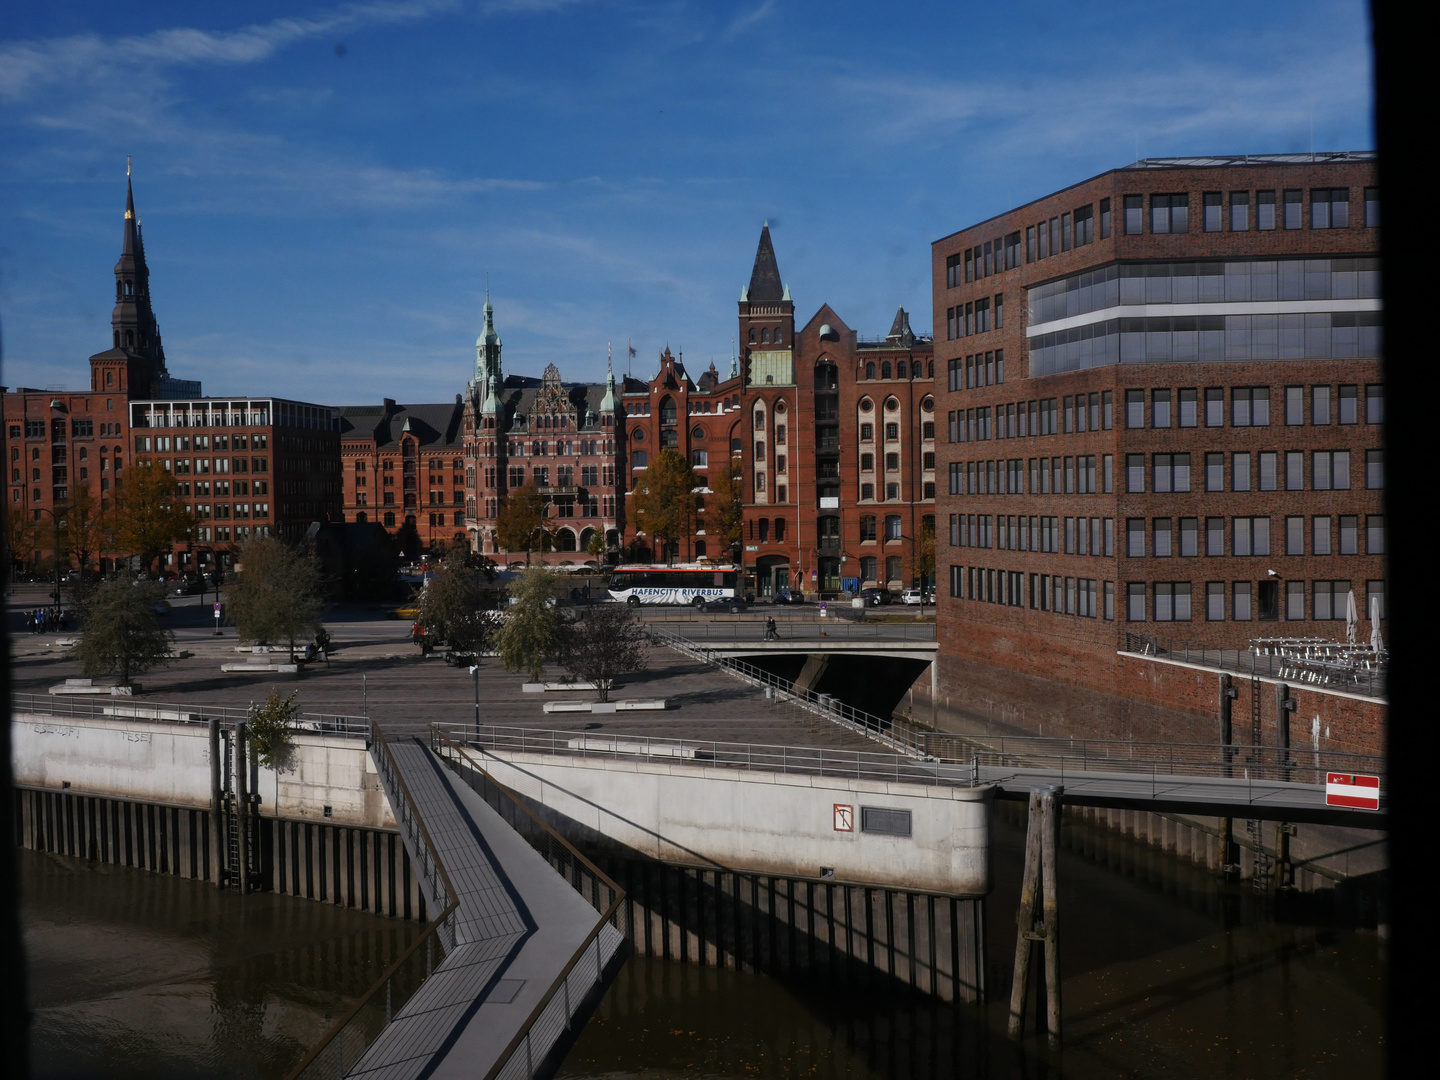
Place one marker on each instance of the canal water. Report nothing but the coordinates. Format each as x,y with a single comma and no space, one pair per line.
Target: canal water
134,974
1167,973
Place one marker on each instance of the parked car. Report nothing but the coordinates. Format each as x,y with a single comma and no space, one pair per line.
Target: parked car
874,596
187,588
732,604
785,596
911,596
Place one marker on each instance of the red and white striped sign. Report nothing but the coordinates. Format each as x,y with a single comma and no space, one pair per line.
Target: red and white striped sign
1356,792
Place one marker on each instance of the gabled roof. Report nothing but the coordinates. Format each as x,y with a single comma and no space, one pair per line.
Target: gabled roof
434,426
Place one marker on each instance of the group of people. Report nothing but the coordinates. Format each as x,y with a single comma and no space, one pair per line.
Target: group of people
46,620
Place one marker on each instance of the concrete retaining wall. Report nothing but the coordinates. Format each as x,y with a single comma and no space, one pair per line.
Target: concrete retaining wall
765,822
169,763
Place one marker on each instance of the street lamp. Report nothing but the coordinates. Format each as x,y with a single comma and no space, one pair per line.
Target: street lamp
56,554
475,676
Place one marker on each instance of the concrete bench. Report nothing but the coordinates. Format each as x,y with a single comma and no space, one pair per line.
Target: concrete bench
612,745
568,706
291,669
106,691
66,642
263,648
640,705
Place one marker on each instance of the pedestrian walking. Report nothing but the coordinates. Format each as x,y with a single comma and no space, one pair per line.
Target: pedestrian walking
771,633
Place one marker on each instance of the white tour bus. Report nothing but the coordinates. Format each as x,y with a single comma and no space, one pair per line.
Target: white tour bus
673,584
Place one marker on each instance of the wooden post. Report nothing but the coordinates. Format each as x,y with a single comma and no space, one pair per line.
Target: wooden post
242,801
1039,877
1050,813
1025,919
217,812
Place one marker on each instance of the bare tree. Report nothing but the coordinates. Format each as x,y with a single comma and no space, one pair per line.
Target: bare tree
603,644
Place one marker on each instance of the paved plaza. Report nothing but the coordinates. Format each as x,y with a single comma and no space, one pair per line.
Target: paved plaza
375,668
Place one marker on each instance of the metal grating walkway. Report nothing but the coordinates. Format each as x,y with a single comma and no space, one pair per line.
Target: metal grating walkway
518,924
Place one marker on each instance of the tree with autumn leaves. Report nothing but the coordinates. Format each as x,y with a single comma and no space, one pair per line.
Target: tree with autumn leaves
149,514
663,505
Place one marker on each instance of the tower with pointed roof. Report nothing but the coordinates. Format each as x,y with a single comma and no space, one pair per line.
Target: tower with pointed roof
767,321
135,362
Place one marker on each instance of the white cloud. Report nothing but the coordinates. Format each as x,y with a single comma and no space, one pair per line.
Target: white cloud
747,19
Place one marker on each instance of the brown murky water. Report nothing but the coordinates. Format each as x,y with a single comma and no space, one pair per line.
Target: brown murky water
1167,974
133,974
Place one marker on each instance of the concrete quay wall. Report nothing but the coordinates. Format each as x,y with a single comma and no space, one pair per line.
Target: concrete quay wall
763,822
169,763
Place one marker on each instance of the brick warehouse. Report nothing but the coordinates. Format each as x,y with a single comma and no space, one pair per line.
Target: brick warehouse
838,451
1182,357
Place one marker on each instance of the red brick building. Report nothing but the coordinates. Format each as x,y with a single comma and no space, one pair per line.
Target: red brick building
402,463
837,439
57,440
246,466
1162,403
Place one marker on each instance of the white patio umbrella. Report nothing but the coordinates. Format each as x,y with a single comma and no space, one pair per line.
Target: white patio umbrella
1352,619
1376,641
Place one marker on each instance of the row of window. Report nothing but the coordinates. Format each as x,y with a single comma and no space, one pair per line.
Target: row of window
179,444
1085,597
1184,407
225,511
892,491
977,369
1208,339
1329,471
1210,282
223,534
966,320
1185,537
1164,601
901,369
1266,470
1329,209
983,260
1250,406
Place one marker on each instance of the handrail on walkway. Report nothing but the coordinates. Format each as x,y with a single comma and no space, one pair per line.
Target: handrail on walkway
567,861
894,734
347,1040
160,712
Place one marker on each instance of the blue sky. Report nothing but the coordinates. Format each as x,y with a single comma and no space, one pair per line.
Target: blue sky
325,186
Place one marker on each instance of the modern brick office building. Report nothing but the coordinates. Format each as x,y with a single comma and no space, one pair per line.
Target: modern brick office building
1162,401
246,466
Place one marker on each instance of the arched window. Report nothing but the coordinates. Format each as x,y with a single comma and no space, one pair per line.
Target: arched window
885,370
870,370
752,335
930,370
700,549
779,336
900,370
764,337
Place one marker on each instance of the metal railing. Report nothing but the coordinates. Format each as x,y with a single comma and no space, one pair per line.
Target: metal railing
756,757
1295,765
86,707
552,1015
1349,676
811,628
346,1042
892,733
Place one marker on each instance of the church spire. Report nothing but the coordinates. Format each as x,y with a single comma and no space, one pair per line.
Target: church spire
488,346
765,286
133,321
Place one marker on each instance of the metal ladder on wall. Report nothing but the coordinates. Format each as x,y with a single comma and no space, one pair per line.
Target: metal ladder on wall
232,815
1255,732
1264,863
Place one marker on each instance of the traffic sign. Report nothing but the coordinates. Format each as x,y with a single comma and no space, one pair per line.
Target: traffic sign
1352,790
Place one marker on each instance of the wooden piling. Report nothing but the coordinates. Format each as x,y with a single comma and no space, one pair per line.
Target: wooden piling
242,804
1025,919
